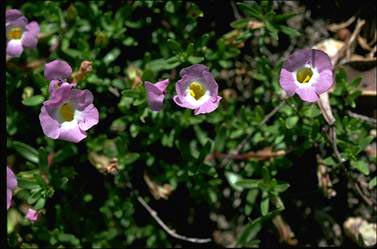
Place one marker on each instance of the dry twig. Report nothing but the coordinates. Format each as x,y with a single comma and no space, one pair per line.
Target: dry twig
166,228
247,138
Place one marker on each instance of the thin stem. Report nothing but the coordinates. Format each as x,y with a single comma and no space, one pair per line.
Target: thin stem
170,231
248,137
369,120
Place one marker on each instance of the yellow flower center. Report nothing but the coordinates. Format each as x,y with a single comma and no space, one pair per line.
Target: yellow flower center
196,90
303,75
67,112
14,33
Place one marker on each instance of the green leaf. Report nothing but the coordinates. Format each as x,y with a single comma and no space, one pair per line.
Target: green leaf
27,184
361,166
291,122
312,111
43,160
250,199
174,45
111,56
283,17
373,182
195,59
248,183
253,228
265,203
40,203
131,157
204,151
238,24
250,231
232,179
329,161
281,187
169,7
289,31
33,100
252,10
26,151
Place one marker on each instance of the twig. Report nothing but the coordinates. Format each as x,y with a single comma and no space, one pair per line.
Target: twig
235,10
166,228
247,138
332,138
335,148
369,120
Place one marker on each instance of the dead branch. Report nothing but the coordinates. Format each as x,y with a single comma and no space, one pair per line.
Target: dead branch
170,231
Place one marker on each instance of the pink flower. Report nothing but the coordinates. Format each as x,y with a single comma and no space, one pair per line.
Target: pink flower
32,215
307,72
156,94
58,73
197,90
11,185
19,33
68,114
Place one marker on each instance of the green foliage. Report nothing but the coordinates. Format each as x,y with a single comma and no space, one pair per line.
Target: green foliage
81,206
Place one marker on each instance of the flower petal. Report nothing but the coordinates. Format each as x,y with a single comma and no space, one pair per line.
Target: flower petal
210,83
181,85
162,85
324,81
12,14
321,61
71,132
58,97
89,117
57,70
307,93
155,96
30,36
14,48
9,197
182,103
195,69
209,106
50,125
32,215
81,98
287,82
11,179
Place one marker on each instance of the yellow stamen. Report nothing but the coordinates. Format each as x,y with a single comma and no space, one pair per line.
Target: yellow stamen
304,75
66,112
14,33
196,90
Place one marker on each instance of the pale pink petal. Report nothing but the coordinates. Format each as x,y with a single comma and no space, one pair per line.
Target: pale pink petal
11,179
71,132
287,82
324,81
50,125
14,48
209,106
9,198
90,117
307,93
30,36
155,96
32,215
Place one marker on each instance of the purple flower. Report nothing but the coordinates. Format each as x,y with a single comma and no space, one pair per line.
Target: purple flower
307,72
57,72
32,215
156,94
197,90
11,185
20,34
68,113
